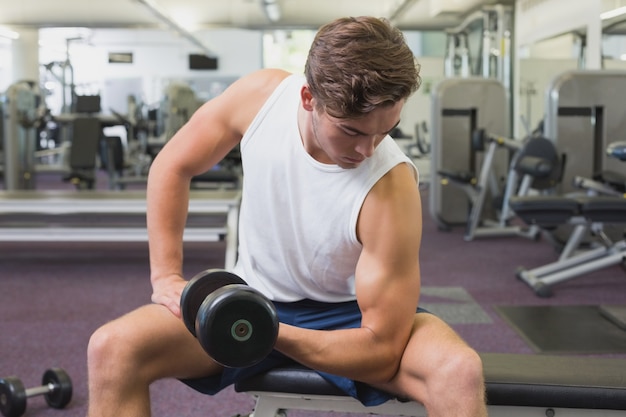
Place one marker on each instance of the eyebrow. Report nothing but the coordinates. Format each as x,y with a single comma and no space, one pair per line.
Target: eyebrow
352,129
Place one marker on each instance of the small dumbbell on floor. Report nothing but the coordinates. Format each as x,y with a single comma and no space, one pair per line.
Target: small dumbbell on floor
234,323
56,387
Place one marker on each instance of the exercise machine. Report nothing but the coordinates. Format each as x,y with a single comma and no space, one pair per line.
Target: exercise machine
460,106
20,121
584,115
534,164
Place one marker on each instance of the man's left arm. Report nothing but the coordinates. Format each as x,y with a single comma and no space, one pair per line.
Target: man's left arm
387,289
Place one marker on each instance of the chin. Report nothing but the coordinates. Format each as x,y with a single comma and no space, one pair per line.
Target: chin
348,165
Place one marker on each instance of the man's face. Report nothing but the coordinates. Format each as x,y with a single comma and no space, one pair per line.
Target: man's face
348,142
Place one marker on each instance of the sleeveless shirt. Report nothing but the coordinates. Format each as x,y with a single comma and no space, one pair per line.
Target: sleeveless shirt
297,225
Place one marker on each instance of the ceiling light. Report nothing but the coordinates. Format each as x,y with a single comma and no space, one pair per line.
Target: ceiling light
9,34
613,13
164,17
272,9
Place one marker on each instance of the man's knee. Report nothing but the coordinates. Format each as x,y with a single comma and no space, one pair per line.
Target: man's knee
463,370
110,348
470,366
102,345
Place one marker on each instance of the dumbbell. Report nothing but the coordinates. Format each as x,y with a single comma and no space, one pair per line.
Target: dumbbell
56,387
234,323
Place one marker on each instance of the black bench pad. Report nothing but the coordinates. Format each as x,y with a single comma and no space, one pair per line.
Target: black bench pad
511,379
604,209
545,210
555,381
555,210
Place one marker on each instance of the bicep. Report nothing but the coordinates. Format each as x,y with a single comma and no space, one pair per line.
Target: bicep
387,275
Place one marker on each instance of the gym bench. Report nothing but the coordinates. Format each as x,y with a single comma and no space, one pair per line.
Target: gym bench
586,214
111,216
517,385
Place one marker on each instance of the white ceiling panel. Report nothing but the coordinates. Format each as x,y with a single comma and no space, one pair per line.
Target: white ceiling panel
197,14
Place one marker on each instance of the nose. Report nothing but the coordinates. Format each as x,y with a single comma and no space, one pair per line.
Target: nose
366,146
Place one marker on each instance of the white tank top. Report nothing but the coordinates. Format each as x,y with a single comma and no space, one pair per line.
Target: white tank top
297,226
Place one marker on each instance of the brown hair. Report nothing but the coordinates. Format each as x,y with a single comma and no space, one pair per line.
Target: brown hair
357,64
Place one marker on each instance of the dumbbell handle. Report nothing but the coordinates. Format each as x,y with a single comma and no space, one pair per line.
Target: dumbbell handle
42,390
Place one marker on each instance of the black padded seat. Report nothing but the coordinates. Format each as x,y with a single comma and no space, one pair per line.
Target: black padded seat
511,379
605,209
291,379
543,210
555,381
540,159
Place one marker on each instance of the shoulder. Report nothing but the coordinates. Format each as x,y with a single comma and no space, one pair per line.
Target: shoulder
398,181
395,201
242,100
259,85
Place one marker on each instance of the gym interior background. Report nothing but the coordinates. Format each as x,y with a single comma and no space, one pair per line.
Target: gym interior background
517,130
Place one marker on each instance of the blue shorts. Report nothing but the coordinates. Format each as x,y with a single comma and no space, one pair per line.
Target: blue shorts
311,315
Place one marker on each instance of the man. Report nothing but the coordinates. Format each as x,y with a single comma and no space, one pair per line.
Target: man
330,230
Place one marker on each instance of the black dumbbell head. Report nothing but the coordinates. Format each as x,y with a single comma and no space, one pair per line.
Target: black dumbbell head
198,288
237,326
61,395
12,397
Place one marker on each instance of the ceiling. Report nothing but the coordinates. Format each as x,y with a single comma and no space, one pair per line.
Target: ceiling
202,14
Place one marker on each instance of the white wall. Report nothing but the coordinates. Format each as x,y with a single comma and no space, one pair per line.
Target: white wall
159,57
5,63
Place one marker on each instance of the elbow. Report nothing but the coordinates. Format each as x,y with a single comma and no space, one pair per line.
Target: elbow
387,369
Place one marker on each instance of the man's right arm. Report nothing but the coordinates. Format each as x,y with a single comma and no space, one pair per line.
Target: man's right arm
213,130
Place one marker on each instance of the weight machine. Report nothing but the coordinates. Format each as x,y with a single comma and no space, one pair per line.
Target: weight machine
534,164
459,107
20,116
492,25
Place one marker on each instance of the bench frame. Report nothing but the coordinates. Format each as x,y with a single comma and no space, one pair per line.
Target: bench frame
133,203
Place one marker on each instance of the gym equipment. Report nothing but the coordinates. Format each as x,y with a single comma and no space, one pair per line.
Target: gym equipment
584,114
56,387
20,116
588,214
179,103
592,213
234,323
492,26
481,46
86,133
535,164
59,216
459,107
518,385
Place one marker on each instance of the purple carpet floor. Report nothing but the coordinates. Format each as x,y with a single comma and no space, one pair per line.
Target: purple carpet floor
54,295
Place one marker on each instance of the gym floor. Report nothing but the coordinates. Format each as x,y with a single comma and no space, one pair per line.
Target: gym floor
55,294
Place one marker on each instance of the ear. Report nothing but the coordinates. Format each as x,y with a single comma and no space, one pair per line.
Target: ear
307,98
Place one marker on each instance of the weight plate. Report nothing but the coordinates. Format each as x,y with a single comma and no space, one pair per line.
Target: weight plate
12,397
61,394
237,326
198,288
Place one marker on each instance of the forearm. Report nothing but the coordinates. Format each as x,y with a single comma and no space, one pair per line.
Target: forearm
168,200
354,353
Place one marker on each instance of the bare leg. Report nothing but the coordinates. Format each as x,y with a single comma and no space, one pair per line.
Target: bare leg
126,355
440,371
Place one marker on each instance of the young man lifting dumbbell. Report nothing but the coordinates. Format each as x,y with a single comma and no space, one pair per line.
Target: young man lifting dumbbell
330,230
